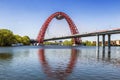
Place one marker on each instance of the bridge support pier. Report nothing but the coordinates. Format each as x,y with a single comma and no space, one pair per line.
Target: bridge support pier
103,45
109,44
103,41
98,44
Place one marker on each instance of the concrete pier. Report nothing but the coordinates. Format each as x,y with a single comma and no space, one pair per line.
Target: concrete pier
98,44
103,40
109,44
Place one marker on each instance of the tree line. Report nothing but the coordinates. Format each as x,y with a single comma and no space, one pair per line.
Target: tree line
7,38
69,43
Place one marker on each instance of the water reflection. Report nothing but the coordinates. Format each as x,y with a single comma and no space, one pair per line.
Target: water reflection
5,56
106,57
58,74
104,54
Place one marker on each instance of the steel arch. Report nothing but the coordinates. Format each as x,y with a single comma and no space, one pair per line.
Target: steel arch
72,27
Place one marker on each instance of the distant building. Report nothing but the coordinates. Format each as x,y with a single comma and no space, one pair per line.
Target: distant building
118,42
113,43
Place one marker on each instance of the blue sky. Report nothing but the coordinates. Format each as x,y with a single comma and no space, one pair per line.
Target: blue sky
25,17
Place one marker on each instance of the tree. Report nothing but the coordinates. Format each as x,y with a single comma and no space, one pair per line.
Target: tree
18,39
67,43
88,43
6,37
26,40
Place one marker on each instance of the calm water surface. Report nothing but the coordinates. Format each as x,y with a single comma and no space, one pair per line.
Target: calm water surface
59,63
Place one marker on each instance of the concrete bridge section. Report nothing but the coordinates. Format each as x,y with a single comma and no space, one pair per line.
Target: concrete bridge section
98,33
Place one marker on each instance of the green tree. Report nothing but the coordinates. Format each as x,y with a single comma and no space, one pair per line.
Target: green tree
88,43
67,43
18,39
26,40
47,43
6,37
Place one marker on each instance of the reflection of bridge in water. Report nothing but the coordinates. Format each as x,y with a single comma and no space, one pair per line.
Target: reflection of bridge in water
105,56
58,74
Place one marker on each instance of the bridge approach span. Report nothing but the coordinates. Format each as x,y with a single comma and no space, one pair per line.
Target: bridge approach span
105,32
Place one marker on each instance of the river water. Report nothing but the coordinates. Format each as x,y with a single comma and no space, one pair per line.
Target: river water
59,63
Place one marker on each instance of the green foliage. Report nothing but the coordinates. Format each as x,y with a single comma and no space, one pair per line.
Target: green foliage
18,39
47,43
7,38
51,43
26,40
67,43
88,43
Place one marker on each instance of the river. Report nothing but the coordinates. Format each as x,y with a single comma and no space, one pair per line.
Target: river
59,63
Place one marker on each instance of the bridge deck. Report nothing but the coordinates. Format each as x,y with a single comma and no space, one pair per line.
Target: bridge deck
105,32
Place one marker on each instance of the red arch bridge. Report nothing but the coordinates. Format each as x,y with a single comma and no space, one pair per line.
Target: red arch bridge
74,31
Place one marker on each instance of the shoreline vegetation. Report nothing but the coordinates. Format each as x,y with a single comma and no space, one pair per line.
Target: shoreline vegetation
67,43
7,38
70,43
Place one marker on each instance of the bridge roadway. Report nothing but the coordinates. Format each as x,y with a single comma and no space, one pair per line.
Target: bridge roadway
98,33
103,32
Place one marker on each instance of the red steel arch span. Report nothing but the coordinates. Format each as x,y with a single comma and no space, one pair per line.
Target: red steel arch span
59,16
